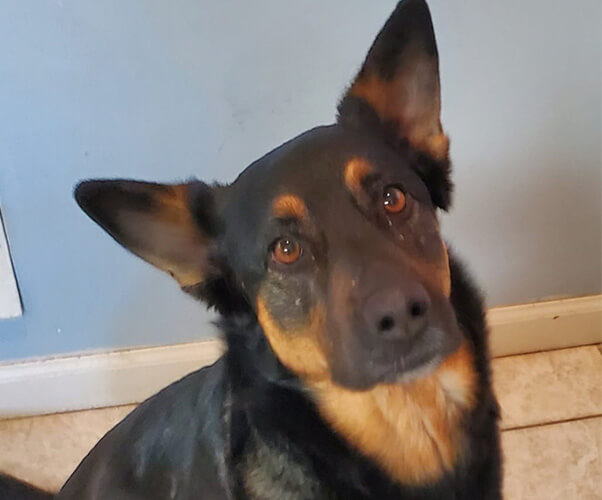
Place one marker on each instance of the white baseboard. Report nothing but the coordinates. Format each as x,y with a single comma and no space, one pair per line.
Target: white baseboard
543,326
115,378
122,377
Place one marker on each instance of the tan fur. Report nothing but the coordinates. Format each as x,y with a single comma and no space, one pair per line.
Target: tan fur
411,429
173,241
355,172
393,100
301,350
289,205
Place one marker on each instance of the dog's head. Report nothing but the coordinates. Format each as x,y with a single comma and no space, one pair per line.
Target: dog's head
332,239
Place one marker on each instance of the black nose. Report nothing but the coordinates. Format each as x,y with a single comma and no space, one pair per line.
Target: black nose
396,313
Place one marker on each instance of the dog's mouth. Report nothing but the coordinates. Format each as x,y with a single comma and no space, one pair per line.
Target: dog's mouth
365,364
415,358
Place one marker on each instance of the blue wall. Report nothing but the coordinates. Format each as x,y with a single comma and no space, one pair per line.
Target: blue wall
166,90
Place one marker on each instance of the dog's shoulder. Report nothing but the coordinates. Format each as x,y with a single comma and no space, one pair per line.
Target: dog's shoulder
173,445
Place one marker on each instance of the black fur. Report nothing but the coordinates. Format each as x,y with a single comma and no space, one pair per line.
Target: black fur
407,34
13,489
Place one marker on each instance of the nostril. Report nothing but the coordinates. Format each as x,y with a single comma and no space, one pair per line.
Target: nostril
417,309
396,313
386,323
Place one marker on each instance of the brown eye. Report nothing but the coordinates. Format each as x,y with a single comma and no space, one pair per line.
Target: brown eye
394,200
286,251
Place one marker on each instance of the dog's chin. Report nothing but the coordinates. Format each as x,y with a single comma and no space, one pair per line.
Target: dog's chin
409,375
399,364
413,365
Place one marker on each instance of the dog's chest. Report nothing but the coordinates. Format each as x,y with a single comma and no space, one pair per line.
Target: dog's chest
276,471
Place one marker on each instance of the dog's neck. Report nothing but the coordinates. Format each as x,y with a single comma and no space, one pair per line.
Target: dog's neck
413,429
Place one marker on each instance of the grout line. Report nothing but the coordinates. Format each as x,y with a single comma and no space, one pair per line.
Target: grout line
517,354
555,422
70,412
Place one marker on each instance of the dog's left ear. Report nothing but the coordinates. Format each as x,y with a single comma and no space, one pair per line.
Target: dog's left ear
167,225
398,87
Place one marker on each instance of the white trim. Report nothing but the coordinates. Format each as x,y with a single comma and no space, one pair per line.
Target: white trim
10,302
93,381
123,377
543,326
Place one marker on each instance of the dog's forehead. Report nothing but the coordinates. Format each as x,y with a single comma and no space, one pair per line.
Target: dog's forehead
312,167
309,159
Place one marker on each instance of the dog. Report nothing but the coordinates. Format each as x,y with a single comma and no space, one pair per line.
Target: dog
357,354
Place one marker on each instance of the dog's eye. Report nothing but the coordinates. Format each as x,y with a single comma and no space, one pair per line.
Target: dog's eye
286,250
394,199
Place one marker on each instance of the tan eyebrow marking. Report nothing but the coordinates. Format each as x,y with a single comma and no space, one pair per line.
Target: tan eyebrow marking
356,170
289,205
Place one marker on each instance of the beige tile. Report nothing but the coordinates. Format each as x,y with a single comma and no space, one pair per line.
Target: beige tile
45,450
554,462
549,386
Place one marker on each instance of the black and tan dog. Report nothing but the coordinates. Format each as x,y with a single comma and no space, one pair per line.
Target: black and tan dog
357,363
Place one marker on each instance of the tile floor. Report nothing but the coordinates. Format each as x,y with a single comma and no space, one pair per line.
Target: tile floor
552,429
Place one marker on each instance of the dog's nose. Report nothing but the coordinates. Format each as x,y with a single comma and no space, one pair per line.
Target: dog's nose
394,313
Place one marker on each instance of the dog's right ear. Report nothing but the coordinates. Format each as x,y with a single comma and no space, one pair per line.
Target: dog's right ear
168,225
399,79
396,92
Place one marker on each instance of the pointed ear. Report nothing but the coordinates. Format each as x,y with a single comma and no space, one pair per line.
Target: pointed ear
399,80
166,225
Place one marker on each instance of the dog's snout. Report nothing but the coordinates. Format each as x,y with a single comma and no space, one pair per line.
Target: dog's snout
394,313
